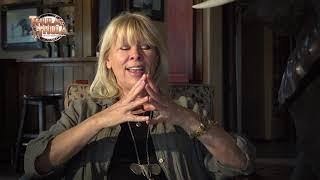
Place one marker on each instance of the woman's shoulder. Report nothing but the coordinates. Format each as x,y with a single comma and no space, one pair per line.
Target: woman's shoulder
91,102
80,109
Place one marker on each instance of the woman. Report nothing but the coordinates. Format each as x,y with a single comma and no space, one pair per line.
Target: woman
115,134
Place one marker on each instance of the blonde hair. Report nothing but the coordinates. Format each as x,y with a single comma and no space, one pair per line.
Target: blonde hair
131,28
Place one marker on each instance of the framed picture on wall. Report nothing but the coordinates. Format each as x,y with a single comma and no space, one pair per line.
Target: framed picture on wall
16,30
153,8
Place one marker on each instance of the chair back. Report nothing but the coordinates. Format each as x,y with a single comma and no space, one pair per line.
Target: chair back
76,91
198,97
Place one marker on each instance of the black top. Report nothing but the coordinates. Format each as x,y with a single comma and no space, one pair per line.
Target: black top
124,153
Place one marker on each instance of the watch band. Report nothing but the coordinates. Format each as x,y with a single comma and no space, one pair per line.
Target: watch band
205,125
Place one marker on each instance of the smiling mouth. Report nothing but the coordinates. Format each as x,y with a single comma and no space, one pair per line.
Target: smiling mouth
136,69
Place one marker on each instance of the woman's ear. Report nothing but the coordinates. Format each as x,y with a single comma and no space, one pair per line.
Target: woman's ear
108,63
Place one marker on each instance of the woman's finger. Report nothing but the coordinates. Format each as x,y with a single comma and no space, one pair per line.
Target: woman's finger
149,107
157,106
154,95
134,104
134,92
161,110
153,105
152,85
143,77
156,120
139,111
136,118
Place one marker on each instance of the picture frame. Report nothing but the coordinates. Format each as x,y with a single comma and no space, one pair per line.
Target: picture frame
16,30
152,8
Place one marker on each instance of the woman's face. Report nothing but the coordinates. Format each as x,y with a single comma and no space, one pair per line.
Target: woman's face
130,61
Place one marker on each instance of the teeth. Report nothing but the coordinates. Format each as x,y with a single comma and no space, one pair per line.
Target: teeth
136,68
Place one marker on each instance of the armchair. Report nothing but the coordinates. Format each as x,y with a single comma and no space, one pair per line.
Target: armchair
76,91
198,97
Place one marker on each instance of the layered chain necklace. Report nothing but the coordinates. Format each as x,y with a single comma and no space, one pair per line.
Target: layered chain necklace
148,169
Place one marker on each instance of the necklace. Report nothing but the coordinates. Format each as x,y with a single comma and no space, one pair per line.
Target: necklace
138,124
148,169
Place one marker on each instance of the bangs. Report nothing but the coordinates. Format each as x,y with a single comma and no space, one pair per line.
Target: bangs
132,31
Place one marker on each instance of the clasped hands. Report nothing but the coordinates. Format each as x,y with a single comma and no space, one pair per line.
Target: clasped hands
143,96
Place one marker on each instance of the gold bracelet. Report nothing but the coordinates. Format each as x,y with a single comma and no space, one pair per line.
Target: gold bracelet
201,130
205,125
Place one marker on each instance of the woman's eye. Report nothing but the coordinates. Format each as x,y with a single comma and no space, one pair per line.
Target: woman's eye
145,47
125,47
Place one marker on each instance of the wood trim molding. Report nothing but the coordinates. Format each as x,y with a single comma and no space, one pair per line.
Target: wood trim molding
198,45
213,57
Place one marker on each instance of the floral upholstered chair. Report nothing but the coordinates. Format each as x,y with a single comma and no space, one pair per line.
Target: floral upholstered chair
198,97
76,91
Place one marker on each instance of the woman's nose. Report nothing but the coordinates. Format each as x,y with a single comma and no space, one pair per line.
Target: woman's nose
135,54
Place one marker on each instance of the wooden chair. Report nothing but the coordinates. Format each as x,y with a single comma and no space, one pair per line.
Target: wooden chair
40,101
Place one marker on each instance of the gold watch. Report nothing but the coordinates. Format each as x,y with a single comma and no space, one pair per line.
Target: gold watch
205,125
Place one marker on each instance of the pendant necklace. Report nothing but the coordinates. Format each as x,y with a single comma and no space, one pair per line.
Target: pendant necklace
148,169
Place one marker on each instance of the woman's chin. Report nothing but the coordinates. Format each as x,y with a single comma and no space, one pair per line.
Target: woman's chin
136,74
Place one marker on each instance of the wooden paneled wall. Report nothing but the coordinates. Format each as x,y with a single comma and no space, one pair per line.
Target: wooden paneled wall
34,77
52,78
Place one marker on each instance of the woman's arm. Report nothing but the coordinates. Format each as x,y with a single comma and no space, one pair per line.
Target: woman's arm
68,143
218,142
